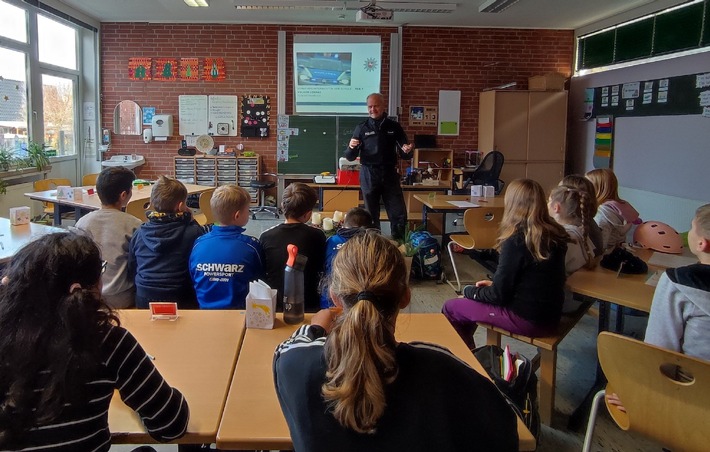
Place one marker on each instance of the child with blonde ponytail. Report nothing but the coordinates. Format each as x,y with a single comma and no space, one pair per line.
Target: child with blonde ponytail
346,384
568,206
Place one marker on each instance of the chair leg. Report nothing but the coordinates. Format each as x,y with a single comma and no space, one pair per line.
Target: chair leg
589,436
492,337
456,272
548,372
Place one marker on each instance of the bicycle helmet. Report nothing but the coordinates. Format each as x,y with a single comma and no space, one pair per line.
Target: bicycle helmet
658,236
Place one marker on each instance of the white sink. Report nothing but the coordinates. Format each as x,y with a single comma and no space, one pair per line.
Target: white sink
127,161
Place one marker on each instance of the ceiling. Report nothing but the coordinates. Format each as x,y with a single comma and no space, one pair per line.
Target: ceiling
553,14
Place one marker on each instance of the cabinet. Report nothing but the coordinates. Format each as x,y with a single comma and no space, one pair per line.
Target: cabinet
219,170
437,160
530,129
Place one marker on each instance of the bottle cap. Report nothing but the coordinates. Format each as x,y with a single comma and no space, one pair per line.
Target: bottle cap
292,253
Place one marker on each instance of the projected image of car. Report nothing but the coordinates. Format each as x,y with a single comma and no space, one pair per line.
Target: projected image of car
324,68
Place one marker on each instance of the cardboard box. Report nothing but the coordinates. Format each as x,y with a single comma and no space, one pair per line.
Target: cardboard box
19,215
552,81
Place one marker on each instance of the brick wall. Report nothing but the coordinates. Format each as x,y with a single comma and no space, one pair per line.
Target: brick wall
466,59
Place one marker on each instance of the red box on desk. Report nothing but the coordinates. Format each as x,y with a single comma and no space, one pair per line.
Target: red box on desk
348,177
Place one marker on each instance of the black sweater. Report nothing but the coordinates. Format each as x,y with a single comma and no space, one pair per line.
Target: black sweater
381,141
531,289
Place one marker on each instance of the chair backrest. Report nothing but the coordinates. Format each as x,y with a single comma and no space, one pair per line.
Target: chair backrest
481,224
138,208
666,394
49,184
205,208
488,171
89,179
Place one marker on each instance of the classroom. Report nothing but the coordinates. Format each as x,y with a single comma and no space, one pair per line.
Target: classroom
228,81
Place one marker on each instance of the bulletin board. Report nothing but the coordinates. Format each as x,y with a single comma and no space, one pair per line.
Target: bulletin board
193,114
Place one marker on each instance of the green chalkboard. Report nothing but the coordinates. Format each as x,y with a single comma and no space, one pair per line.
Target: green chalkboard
660,97
314,143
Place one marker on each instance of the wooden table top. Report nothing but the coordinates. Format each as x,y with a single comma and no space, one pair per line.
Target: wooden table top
625,290
12,238
196,354
92,202
252,416
441,202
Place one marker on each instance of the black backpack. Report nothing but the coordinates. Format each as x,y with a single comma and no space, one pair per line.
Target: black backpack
521,392
426,263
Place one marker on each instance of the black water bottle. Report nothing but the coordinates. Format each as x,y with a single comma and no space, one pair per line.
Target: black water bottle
294,303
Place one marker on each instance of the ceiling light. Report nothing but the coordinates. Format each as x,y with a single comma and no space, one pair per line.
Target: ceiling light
496,6
196,3
404,7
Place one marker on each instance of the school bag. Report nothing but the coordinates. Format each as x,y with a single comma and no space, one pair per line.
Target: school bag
426,263
521,392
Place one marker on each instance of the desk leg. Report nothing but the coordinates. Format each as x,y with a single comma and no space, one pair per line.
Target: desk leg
578,419
57,215
425,212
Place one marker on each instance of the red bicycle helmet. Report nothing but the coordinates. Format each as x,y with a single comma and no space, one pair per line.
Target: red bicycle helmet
658,236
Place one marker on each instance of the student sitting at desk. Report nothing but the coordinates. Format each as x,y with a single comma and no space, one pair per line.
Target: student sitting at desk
346,384
112,229
63,354
527,291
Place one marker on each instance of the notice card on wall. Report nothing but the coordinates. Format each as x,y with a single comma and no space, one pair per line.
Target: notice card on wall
193,114
449,112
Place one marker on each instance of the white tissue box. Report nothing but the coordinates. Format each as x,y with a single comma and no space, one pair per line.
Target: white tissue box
488,191
19,215
477,190
261,306
65,192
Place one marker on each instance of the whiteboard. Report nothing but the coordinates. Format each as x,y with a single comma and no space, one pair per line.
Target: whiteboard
223,116
193,114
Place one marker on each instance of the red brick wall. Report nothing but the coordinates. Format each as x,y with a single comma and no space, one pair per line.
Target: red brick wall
465,59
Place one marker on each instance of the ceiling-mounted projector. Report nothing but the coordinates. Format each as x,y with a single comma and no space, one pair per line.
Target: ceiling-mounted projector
374,14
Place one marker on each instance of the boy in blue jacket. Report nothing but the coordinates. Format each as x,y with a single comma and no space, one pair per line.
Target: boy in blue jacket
356,220
225,260
160,248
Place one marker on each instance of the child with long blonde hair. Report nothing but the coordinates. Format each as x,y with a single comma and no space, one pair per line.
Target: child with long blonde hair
580,182
568,207
614,216
346,384
527,291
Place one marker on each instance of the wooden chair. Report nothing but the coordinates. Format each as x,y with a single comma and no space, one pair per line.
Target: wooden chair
50,184
89,179
481,225
546,358
205,215
138,208
666,394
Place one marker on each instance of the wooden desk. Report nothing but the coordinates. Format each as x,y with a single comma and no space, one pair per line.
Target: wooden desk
440,204
343,197
92,202
12,238
252,416
195,354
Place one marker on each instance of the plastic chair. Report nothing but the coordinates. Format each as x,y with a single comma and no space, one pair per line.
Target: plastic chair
487,173
138,208
262,185
666,394
205,215
481,225
50,184
89,179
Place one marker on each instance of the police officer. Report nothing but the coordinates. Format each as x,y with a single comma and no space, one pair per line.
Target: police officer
378,141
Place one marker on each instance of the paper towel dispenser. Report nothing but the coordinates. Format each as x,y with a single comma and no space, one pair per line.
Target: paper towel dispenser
162,127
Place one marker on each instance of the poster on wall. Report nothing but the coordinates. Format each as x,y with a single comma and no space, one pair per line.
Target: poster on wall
256,112
214,70
189,69
165,70
449,112
140,68
416,116
603,142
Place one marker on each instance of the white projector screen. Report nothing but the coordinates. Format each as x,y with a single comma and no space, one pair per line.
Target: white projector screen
334,74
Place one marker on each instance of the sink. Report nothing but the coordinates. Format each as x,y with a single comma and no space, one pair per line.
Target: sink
127,161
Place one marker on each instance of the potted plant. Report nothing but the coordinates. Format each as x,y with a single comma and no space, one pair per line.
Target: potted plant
14,167
406,247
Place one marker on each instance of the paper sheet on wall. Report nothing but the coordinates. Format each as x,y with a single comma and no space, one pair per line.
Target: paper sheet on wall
223,116
449,112
193,114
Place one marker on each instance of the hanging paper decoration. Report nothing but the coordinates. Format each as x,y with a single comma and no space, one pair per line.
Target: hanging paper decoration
165,69
139,68
214,70
603,142
256,112
189,69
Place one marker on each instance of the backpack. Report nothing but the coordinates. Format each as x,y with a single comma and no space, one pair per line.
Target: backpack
521,392
426,263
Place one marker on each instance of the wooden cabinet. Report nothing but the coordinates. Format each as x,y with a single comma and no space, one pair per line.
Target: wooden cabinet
219,170
530,129
437,160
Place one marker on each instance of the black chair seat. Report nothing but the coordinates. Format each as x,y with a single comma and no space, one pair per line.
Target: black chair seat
262,184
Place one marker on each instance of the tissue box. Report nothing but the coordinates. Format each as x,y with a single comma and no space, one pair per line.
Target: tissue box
261,306
348,177
65,192
77,194
488,191
19,215
476,190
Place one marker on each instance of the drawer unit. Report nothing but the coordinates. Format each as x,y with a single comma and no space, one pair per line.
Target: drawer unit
219,170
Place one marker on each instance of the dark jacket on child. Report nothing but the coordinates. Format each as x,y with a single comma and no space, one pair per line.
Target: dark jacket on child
159,254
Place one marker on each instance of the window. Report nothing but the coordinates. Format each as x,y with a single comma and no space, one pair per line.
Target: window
14,23
673,30
13,99
57,43
59,113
